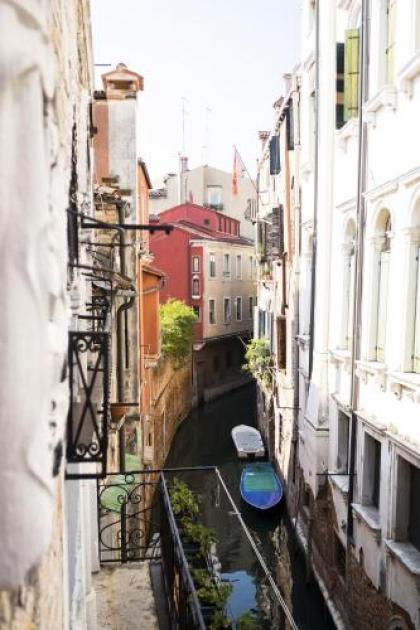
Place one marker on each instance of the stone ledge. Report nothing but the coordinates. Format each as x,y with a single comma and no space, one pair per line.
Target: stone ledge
370,516
341,482
406,553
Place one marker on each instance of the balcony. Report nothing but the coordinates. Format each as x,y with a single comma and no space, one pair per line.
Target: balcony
214,206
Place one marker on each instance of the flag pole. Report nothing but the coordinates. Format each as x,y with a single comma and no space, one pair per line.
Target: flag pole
247,172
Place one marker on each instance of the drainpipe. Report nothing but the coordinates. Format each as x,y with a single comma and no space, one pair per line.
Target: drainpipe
360,228
122,332
315,219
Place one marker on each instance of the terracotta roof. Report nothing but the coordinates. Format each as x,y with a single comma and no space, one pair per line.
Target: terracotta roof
153,271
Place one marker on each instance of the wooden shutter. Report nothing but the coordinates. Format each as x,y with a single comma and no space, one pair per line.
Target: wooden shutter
339,102
390,44
281,343
382,305
275,155
290,135
416,345
351,74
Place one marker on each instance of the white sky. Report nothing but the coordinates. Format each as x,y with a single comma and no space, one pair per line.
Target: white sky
226,55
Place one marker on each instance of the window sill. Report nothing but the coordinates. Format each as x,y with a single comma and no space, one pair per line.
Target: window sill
408,73
386,98
407,383
347,131
303,340
406,553
340,356
370,516
341,482
373,368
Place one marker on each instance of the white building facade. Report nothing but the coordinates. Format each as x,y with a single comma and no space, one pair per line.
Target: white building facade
357,383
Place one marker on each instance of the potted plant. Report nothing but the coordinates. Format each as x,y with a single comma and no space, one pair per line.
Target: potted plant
184,503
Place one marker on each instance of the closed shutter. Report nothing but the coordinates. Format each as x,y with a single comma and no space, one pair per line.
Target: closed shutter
281,343
390,45
416,357
290,132
275,155
339,102
351,74
350,303
382,305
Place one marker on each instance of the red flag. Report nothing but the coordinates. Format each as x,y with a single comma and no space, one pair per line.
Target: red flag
237,171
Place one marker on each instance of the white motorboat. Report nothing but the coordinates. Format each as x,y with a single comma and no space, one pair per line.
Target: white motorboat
248,441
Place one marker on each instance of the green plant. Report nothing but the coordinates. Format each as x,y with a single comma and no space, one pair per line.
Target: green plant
209,592
177,329
199,534
184,503
258,360
247,621
220,621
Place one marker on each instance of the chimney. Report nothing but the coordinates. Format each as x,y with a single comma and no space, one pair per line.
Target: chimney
263,136
122,83
287,82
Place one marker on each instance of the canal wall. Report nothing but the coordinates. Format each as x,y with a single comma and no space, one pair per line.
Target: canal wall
167,395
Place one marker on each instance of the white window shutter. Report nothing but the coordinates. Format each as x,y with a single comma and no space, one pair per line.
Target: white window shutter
382,305
416,345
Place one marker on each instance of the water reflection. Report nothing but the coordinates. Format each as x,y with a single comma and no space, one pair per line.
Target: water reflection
204,439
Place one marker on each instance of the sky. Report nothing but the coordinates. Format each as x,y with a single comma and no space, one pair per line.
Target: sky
222,60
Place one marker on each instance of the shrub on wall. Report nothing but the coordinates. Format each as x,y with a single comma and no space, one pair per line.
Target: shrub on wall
177,329
258,360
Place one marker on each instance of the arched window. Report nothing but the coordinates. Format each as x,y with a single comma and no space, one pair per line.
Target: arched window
381,261
348,284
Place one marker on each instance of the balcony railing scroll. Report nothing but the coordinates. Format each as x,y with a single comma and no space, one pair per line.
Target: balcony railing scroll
89,408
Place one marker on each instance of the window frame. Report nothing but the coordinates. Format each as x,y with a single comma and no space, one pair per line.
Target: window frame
227,270
238,301
212,265
195,281
212,311
227,314
239,267
195,267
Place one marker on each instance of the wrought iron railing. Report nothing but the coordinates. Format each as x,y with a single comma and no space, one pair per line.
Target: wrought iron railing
89,408
136,522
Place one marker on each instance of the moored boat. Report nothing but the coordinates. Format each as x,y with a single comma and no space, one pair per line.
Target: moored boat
248,441
260,486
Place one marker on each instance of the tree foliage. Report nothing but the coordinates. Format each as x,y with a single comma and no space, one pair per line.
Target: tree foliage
177,329
258,360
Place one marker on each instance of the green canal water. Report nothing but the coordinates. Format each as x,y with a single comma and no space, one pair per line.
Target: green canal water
204,440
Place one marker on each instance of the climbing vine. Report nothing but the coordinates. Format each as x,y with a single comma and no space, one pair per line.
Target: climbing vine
258,360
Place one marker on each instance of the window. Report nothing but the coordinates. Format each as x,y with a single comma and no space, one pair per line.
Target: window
250,307
391,6
339,556
339,98
371,472
226,265
380,285
408,505
351,74
206,222
274,147
226,310
212,311
238,309
195,288
348,279
281,343
343,431
251,267
239,267
196,263
214,197
197,312
212,265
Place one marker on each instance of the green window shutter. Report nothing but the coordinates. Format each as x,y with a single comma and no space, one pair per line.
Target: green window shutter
382,306
390,47
416,354
351,74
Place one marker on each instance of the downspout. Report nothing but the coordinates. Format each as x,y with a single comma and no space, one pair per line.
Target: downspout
360,229
122,335
315,219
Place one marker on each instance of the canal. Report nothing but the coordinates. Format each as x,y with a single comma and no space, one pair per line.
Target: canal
204,439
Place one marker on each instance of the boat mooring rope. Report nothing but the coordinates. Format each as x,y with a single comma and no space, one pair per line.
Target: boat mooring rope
261,560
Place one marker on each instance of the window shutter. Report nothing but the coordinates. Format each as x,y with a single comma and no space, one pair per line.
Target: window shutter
390,46
382,305
290,136
339,103
416,357
351,74
275,155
